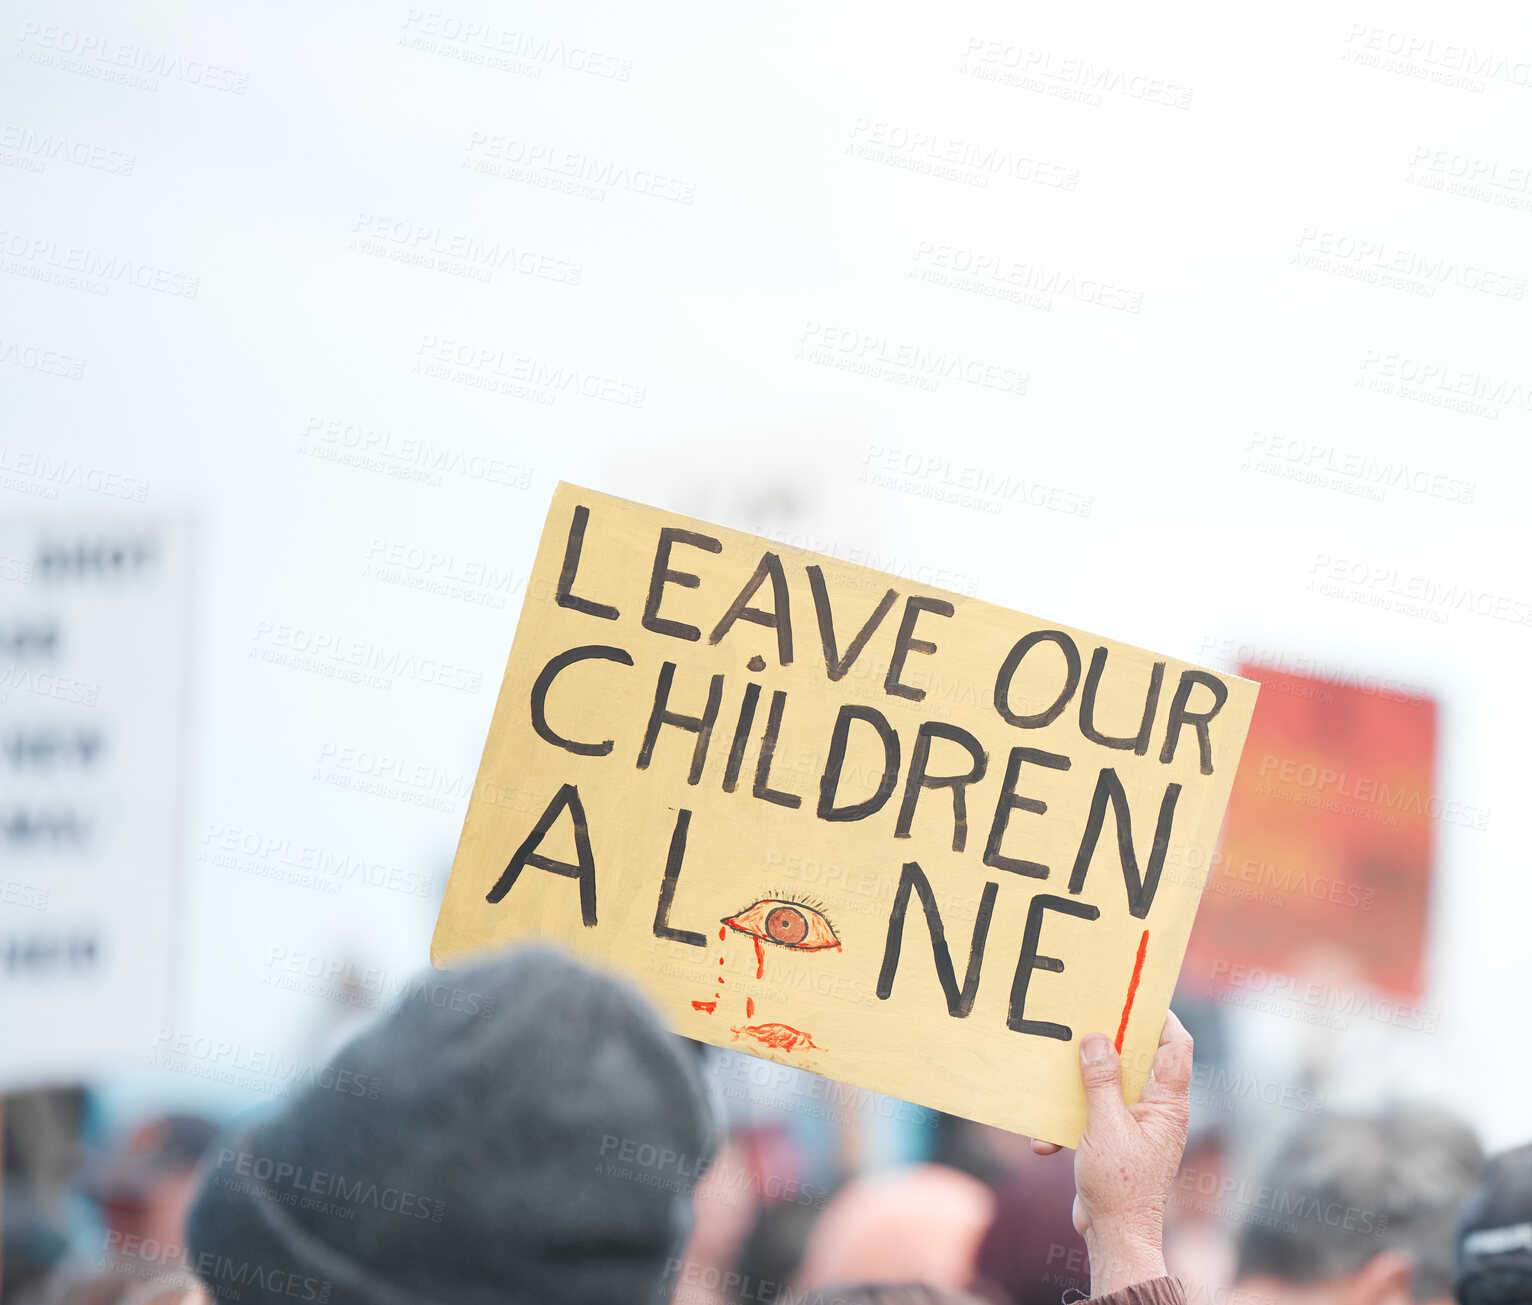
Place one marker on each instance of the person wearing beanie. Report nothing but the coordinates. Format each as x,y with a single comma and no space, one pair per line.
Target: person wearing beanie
520,1131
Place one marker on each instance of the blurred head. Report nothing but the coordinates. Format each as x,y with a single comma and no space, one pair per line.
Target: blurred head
145,1187
520,1131
1359,1210
1032,1252
1494,1251
904,1293
922,1224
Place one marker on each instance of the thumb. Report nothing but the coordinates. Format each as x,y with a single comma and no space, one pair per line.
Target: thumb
1101,1073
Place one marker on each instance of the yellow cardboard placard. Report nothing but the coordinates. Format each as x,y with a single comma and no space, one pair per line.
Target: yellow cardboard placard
840,820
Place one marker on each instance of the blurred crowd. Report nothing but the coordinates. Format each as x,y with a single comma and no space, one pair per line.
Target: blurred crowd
556,1145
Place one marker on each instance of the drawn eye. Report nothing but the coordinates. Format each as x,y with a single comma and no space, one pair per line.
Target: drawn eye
788,924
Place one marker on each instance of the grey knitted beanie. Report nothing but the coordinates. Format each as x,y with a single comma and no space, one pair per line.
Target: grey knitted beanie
520,1131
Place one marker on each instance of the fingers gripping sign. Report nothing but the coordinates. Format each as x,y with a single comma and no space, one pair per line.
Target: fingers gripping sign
1128,1157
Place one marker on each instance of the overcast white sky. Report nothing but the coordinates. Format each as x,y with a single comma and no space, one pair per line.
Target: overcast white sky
765,195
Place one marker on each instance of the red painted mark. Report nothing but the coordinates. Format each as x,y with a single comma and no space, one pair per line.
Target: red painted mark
780,1037
760,958
1138,973
723,932
708,1006
749,1007
720,960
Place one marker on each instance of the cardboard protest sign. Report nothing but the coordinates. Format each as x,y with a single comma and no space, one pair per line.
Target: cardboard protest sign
897,836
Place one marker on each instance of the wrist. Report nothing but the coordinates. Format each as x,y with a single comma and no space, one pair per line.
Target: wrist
1122,1255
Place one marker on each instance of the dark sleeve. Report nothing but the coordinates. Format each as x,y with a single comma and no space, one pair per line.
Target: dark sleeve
1156,1291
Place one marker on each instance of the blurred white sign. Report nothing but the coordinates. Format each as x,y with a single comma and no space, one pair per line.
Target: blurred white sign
93,687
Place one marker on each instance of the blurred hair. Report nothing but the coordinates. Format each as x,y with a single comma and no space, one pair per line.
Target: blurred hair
773,1248
1342,1190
